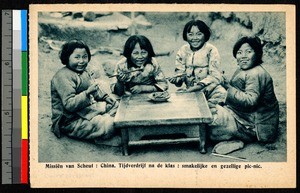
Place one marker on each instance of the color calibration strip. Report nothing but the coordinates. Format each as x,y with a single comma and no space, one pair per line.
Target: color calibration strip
14,97
24,101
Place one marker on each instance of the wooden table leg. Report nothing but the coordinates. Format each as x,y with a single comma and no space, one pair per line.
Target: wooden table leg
202,138
125,140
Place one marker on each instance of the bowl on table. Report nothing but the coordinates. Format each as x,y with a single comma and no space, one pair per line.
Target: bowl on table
159,96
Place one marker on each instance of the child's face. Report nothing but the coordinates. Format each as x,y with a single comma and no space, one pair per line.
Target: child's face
195,38
139,56
246,57
78,60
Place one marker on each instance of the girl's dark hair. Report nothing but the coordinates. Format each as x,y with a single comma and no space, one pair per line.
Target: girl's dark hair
201,26
68,48
144,44
255,44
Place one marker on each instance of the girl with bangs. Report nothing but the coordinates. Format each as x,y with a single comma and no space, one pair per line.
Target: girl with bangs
138,71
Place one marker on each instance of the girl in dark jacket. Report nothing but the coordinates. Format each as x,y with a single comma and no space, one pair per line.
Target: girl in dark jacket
251,111
80,108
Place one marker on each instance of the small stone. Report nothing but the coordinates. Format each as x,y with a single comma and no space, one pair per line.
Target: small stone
89,16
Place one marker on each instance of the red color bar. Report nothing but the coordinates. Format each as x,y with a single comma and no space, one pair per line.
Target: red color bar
24,161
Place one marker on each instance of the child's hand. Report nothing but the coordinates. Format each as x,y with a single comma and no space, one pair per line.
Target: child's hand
176,80
212,108
92,88
226,83
110,100
111,109
123,76
136,89
173,80
210,87
197,87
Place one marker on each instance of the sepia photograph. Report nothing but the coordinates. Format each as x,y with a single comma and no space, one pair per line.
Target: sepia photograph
164,92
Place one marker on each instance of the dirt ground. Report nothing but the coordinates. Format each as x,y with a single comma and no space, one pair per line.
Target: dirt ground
165,35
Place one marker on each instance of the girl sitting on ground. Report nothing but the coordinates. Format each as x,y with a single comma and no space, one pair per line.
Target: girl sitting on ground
138,71
197,62
251,111
80,108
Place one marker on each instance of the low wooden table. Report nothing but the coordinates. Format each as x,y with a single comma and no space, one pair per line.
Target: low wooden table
181,110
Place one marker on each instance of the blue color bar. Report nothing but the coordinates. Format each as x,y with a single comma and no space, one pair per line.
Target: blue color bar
24,29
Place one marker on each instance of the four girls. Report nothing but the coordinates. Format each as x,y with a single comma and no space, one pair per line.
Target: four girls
246,108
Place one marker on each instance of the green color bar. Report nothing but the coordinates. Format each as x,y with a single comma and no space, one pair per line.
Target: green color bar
24,74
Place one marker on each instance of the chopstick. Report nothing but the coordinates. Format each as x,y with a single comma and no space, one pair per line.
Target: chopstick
230,157
114,75
177,75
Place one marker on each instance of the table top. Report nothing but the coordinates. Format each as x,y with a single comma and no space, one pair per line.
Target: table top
180,109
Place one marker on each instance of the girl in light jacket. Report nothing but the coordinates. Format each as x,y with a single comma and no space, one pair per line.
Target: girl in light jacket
197,63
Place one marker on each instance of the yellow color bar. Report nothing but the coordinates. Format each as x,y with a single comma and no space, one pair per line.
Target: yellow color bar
24,118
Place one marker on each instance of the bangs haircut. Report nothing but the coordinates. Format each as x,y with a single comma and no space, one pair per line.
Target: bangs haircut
144,44
68,48
201,26
255,44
